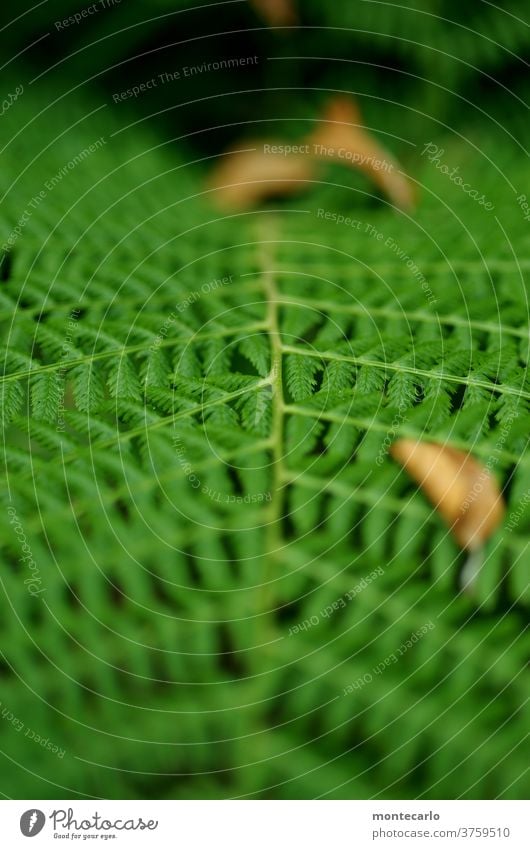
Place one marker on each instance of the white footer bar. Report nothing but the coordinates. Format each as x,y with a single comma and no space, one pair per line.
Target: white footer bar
265,824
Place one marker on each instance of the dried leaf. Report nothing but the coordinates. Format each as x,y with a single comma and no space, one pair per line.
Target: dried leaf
243,178
462,490
341,136
277,13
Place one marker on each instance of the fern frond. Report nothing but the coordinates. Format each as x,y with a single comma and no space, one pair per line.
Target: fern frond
200,467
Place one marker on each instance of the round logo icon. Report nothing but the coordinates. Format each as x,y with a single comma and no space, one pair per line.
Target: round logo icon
32,822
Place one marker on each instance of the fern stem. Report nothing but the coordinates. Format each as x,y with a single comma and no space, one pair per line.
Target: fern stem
374,498
351,491
483,450
139,301
132,349
483,266
414,315
274,541
162,422
79,506
452,378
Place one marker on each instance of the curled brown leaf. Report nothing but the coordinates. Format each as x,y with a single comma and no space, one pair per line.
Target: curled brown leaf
342,136
243,178
463,491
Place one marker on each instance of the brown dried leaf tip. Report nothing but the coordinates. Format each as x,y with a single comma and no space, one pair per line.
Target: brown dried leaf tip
243,178
462,490
342,136
276,13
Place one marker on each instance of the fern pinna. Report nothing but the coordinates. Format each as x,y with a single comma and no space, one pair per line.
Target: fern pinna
196,414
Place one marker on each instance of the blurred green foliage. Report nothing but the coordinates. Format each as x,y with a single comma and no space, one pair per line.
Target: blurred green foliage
162,654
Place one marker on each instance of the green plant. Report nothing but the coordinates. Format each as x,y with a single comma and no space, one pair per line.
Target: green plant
143,399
